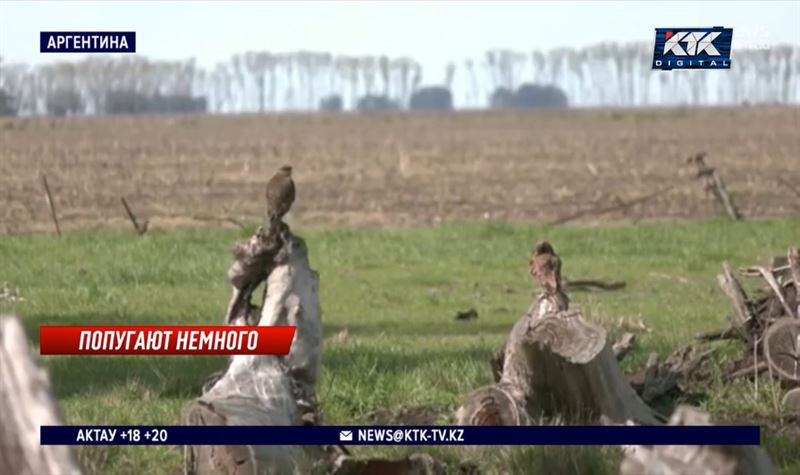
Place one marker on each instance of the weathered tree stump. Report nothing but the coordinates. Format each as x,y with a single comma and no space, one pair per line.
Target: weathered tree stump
704,459
265,389
26,403
556,365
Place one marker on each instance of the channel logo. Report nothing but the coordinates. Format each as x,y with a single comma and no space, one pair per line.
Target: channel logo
693,48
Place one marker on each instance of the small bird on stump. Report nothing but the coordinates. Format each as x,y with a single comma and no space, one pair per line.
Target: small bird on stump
280,195
545,266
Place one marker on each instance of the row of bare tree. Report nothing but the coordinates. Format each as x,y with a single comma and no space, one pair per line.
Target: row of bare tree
601,75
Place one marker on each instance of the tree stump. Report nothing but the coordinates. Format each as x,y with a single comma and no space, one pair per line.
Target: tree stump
704,459
782,348
266,389
26,403
556,365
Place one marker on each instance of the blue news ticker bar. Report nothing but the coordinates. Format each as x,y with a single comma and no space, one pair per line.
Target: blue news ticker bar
87,41
405,435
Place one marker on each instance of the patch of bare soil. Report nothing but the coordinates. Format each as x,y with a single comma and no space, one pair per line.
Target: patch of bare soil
398,170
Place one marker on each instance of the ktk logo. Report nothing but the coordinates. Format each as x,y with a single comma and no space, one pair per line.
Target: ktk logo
693,48
696,43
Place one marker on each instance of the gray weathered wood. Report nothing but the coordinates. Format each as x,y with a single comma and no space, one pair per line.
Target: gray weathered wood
733,290
556,364
267,390
26,403
793,256
704,459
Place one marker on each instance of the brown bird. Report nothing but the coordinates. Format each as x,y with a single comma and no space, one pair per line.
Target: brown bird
280,194
545,267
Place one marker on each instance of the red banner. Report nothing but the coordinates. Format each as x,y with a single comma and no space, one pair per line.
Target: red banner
164,340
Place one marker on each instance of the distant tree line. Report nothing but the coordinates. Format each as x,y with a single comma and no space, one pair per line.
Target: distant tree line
259,82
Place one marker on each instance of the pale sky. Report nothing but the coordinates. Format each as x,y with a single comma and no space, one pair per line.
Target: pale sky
431,32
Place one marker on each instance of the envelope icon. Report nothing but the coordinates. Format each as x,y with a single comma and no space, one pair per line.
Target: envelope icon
346,435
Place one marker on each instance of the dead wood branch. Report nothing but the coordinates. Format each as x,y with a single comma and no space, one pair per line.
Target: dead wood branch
733,290
793,256
26,403
714,184
51,203
624,345
660,378
140,228
682,459
618,206
776,289
720,334
496,364
749,371
589,284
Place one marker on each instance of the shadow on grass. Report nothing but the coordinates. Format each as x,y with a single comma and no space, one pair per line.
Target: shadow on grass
437,328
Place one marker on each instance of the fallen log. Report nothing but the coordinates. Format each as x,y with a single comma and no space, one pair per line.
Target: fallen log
26,403
705,459
556,364
264,389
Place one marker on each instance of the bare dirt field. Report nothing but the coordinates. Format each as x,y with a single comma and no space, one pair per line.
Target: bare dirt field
398,170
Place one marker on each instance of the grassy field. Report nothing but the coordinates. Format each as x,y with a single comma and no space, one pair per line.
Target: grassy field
395,293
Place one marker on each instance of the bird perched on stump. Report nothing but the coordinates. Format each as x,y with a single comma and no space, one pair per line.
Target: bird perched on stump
280,195
545,267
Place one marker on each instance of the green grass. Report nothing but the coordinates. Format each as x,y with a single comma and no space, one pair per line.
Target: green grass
395,292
